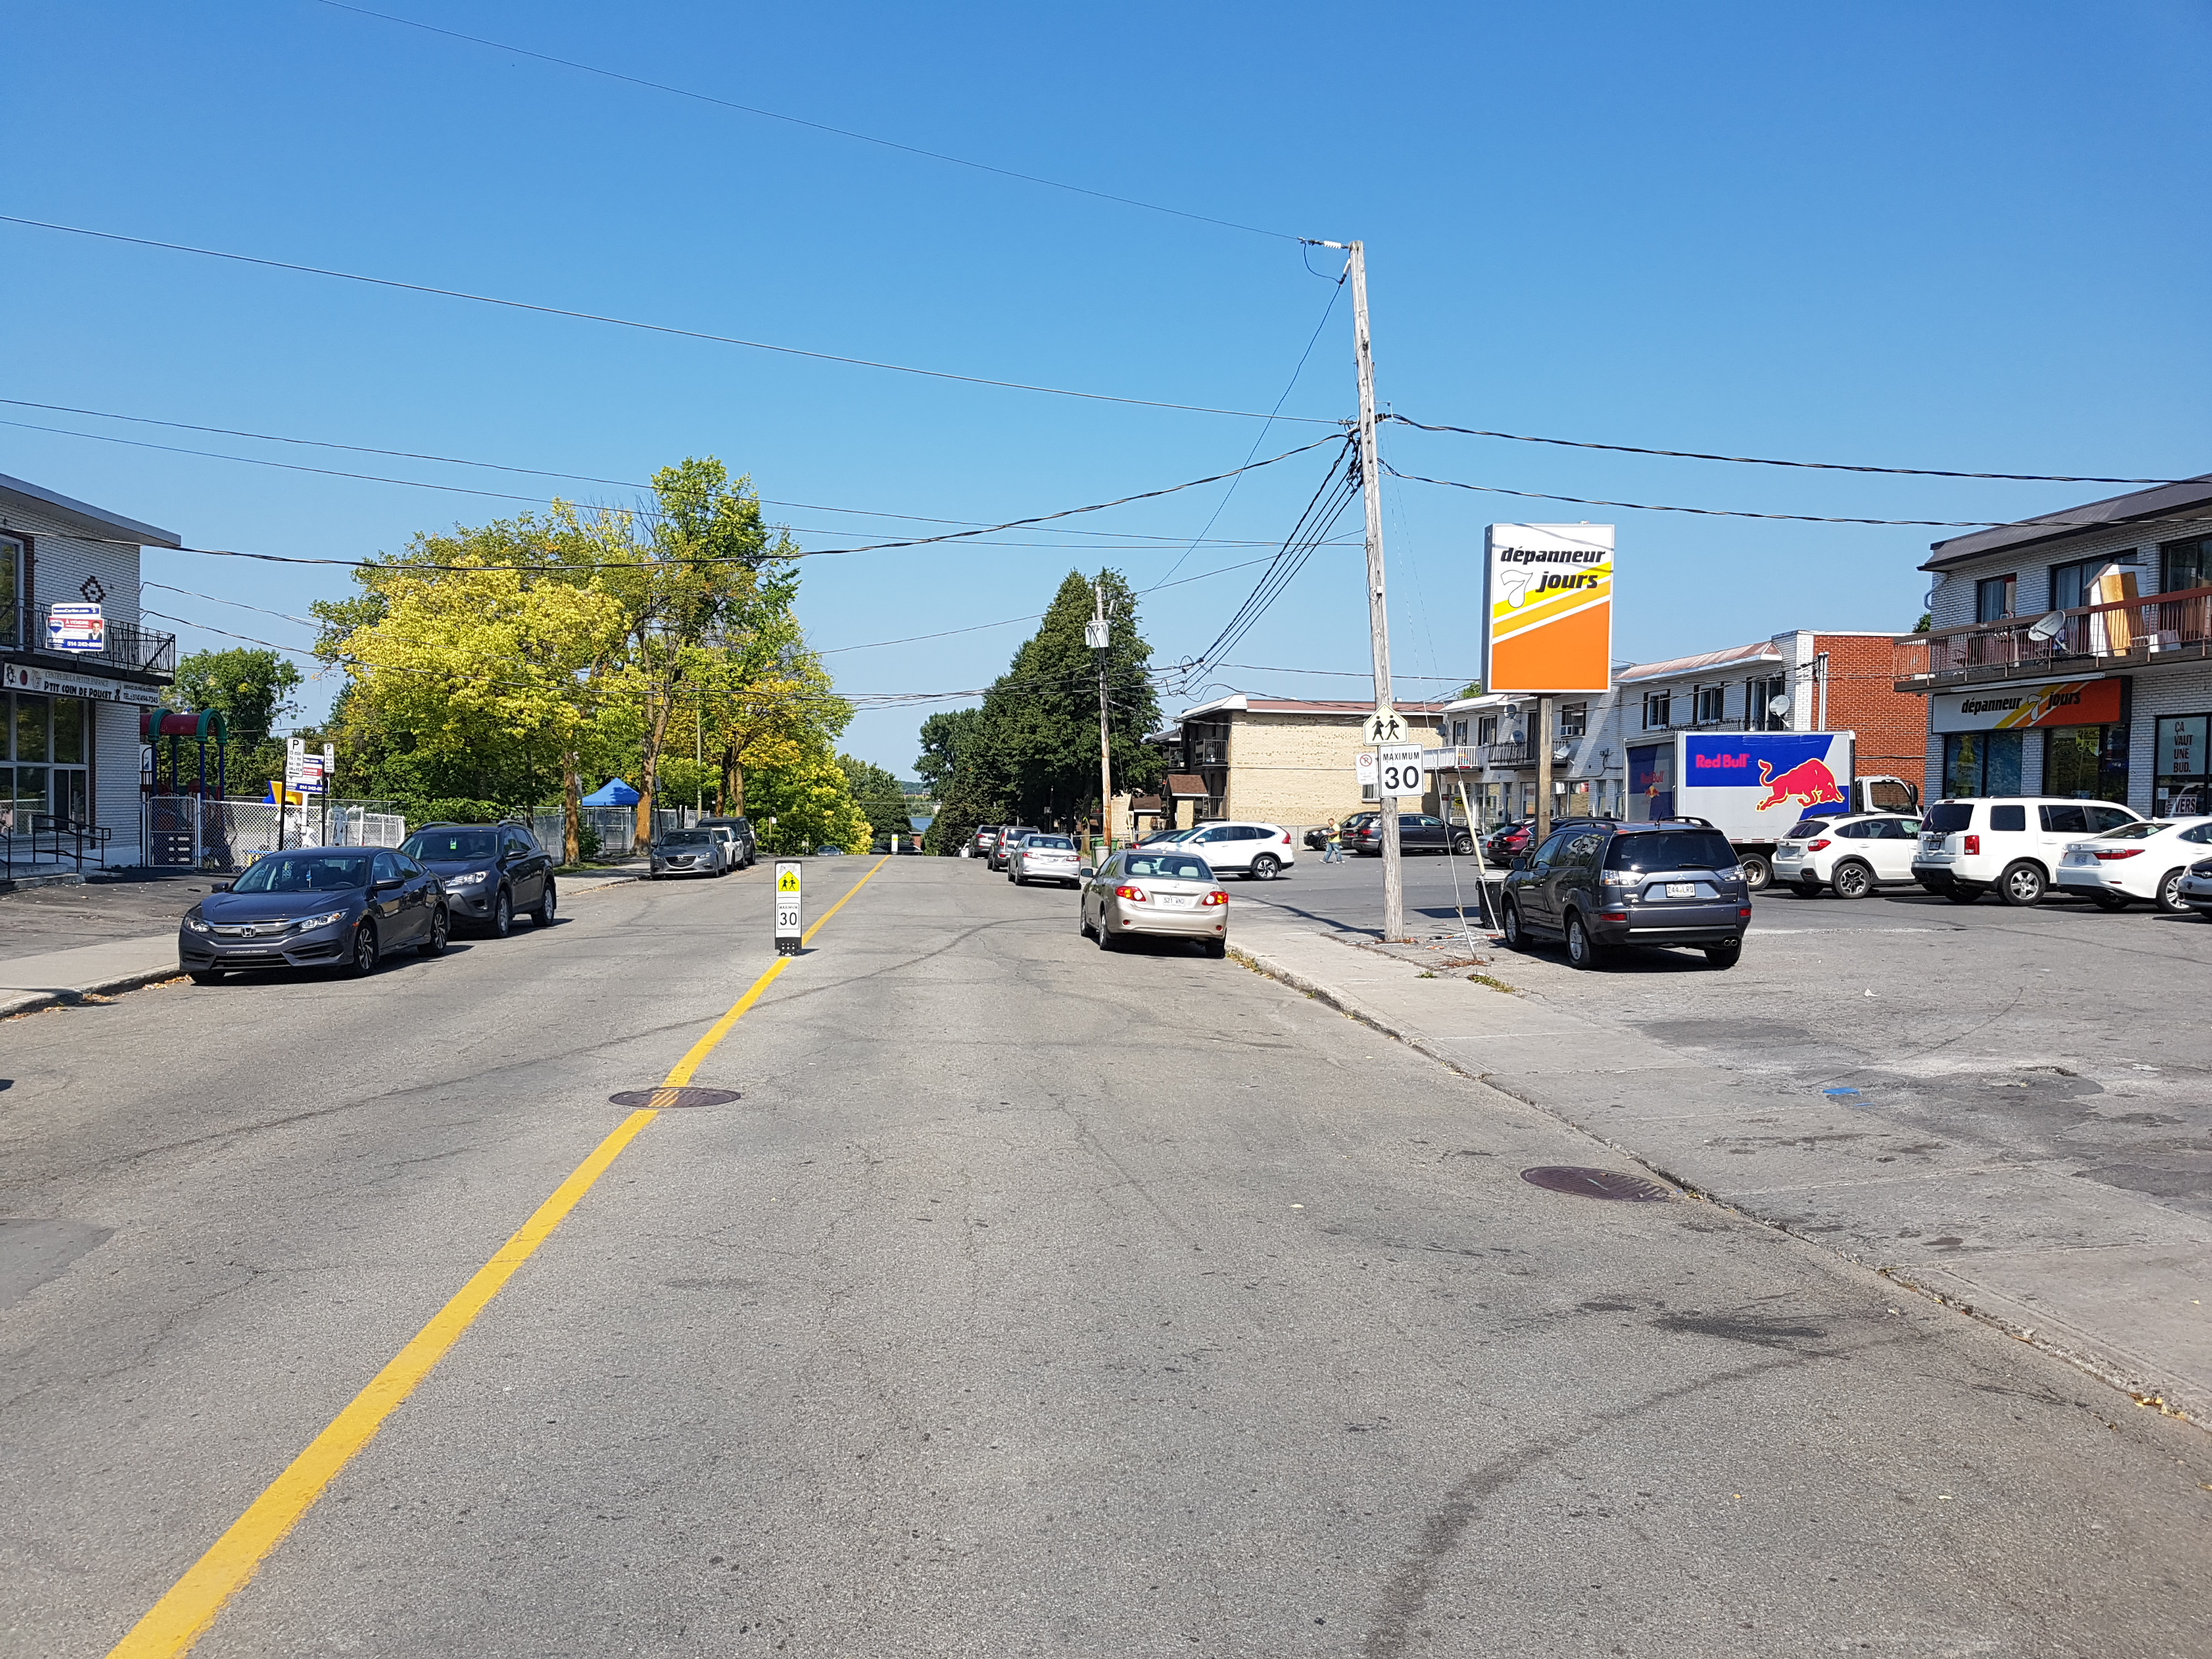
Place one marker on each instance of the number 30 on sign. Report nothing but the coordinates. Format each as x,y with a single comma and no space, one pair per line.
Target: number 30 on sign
787,908
1398,772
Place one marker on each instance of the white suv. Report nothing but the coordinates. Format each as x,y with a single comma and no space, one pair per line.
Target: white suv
1262,851
1853,853
2013,843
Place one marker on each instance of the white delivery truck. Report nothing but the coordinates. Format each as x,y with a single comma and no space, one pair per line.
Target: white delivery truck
1753,786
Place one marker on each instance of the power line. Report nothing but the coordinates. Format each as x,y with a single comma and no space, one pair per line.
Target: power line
818,126
1338,485
1758,460
456,460
651,328
1731,513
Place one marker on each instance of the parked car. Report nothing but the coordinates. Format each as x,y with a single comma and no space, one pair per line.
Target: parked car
985,838
2147,862
1852,854
1259,852
1509,841
315,907
1418,832
1316,839
745,851
1003,848
1163,890
1045,858
1160,837
688,852
1602,885
2194,888
1970,845
490,872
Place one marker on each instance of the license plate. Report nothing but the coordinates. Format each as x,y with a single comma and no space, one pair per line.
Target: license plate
1681,889
1170,902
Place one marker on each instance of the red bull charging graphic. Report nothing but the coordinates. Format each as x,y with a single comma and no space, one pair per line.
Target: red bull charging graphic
1781,772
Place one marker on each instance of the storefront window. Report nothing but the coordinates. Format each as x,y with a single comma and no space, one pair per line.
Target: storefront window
2182,788
1981,764
44,730
2086,762
69,730
30,727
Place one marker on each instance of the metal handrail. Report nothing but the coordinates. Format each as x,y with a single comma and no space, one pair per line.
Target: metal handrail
127,645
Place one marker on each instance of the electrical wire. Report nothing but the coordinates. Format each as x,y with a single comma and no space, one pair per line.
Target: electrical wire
652,328
818,126
1337,488
1731,513
1759,460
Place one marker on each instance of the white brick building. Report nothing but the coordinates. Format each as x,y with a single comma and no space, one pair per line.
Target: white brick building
2071,654
69,748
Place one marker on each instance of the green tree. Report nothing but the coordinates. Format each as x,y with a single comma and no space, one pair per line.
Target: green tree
943,737
878,795
806,804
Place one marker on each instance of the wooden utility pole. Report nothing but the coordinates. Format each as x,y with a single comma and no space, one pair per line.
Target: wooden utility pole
1543,772
1378,609
1096,634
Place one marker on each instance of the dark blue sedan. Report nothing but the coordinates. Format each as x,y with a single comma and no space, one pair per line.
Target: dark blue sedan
315,907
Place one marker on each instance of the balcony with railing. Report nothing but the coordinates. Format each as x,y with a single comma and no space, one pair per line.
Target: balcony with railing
1520,753
2162,628
125,649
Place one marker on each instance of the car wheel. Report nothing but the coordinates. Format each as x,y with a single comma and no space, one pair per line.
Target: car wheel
1217,948
441,927
363,960
1517,937
1958,895
2169,892
1463,845
1021,880
1757,872
1266,867
1582,951
206,975
1106,939
2021,883
1725,956
1082,922
1806,889
503,914
548,903
1852,880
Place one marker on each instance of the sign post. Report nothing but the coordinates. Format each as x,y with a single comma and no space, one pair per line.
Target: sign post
789,911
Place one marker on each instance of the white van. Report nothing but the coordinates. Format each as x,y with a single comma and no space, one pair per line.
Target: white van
2013,843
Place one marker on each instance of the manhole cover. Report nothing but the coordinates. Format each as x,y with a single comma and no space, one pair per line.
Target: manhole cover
1595,1184
662,1100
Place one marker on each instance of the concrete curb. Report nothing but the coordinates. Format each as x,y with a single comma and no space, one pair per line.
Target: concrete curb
75,996
2150,1388
55,878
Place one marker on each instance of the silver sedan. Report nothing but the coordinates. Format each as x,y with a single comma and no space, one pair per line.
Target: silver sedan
1154,889
1045,858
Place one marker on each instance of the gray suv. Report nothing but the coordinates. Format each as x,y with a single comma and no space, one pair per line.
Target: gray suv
1602,886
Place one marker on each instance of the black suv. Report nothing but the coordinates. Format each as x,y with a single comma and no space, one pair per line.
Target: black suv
745,851
489,871
1599,886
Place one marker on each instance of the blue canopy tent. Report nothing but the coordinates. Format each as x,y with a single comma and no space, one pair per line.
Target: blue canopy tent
613,793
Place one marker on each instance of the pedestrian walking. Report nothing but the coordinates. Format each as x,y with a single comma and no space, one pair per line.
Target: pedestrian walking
1334,852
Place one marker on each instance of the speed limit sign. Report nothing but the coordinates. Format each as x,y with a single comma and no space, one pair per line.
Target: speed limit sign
788,911
1400,772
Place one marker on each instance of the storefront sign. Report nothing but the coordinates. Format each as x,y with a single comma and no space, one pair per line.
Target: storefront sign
16,678
1547,608
2181,745
2007,707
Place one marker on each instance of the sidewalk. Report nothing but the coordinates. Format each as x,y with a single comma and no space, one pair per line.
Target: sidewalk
2107,1281
32,978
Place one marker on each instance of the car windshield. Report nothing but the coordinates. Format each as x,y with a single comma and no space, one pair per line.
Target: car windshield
1670,849
1168,867
446,846
1054,844
1947,816
686,838
278,872
1805,827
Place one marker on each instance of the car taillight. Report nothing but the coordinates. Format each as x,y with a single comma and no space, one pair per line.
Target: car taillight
1815,847
1215,898
1286,838
1974,846
1744,911
2118,853
1136,893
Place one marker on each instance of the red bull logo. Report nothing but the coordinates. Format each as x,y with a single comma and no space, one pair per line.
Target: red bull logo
1809,783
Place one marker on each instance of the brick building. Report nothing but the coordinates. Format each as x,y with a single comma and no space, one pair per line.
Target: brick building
1276,760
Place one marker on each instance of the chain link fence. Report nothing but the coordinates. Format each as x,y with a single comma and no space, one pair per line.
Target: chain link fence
192,833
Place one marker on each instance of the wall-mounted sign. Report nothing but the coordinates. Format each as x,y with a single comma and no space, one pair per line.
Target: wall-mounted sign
1548,607
76,628
2008,707
56,683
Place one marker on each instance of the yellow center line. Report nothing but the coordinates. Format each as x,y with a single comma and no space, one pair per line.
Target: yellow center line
182,1616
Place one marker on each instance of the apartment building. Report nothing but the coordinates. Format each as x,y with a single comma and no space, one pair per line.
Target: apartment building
1274,759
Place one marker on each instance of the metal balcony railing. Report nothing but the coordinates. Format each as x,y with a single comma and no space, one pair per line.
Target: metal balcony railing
2135,630
127,646
1507,753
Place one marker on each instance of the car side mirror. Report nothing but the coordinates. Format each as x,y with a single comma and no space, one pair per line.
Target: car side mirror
1086,873
219,887
388,886
1519,861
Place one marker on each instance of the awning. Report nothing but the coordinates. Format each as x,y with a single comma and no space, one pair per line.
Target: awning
1187,785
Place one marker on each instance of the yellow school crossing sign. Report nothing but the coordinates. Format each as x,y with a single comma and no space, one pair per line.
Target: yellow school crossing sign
788,910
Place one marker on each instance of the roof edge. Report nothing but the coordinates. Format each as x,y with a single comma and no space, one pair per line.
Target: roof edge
147,535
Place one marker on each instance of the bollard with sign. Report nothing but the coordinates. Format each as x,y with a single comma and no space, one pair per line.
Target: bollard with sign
788,910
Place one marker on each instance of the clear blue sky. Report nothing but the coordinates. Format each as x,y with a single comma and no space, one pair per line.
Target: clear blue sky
1969,236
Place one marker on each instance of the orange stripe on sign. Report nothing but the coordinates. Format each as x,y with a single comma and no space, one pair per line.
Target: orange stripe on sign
1574,653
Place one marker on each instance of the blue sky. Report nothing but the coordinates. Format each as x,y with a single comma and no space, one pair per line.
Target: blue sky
1966,236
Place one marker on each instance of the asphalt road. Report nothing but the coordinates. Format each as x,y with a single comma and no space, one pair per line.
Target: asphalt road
1030,1301
2060,1032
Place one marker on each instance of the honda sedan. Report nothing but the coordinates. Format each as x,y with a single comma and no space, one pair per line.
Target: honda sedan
315,907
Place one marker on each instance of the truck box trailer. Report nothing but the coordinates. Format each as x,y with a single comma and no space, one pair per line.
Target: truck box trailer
1753,786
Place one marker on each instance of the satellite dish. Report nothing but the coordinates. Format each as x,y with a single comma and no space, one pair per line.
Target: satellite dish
2047,628
1560,751
1778,704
